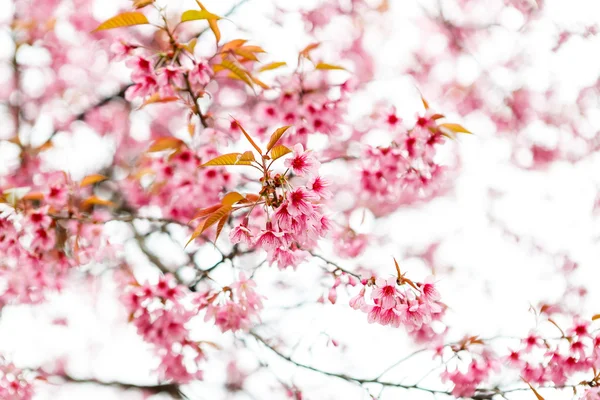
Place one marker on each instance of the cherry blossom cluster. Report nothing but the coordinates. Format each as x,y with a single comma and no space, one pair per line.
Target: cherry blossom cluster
234,307
543,361
15,383
398,301
176,184
476,364
160,315
294,217
406,171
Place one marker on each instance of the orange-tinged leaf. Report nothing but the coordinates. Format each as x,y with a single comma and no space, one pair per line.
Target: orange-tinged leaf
91,179
329,67
212,23
142,3
425,103
279,151
224,210
155,98
537,395
193,15
247,156
306,51
206,211
227,159
251,197
220,225
595,317
96,201
167,143
34,196
456,128
122,20
276,136
260,83
254,49
237,70
234,44
248,137
231,198
273,65
248,55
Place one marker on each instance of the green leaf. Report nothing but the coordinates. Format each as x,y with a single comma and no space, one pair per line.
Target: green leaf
279,151
276,136
122,20
227,159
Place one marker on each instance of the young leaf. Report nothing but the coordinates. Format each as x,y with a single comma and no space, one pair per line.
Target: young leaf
96,201
193,15
141,3
231,198
248,137
234,44
91,179
425,103
227,159
167,143
155,98
456,128
247,156
260,83
238,71
329,67
271,66
220,225
595,317
210,221
212,23
306,51
276,136
206,211
279,151
248,55
537,395
122,20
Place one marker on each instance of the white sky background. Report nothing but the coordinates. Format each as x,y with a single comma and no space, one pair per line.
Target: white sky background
494,282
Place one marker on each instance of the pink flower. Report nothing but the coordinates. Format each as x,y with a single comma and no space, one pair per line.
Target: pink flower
385,292
299,202
200,74
241,234
302,162
269,239
169,79
319,186
358,302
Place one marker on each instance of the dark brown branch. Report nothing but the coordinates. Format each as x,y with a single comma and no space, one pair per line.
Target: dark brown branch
168,388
